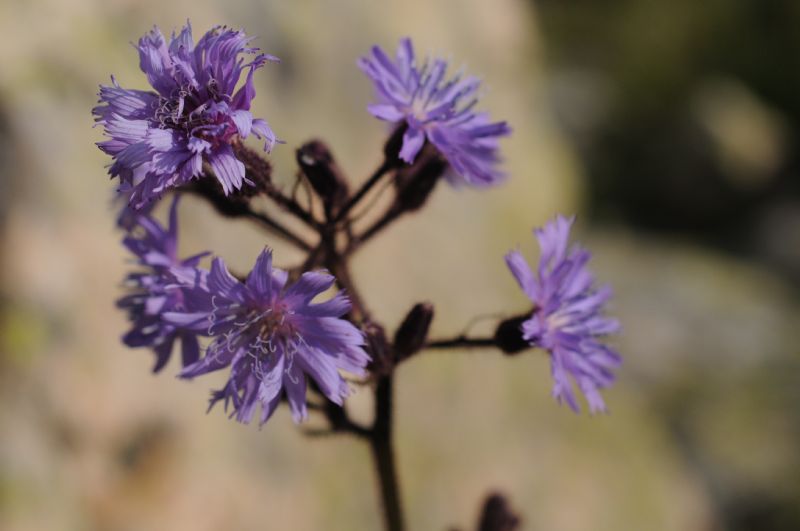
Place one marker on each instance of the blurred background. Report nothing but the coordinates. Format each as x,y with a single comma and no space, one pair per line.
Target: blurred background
670,127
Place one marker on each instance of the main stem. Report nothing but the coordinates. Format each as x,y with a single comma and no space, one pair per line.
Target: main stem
380,434
383,454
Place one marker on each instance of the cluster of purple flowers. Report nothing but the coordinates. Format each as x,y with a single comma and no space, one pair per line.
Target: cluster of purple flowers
265,329
160,140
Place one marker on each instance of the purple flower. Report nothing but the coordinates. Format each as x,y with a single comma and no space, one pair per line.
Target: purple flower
567,318
437,110
271,336
158,289
159,140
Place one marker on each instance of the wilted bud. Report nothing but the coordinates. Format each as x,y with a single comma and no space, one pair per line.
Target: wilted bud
416,182
321,170
378,348
508,335
412,333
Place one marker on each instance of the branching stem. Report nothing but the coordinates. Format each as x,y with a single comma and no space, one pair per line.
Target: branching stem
278,229
365,188
462,342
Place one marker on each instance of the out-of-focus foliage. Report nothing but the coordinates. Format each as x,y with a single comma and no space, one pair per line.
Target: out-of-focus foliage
686,115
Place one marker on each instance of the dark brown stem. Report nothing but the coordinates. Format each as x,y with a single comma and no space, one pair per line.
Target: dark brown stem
326,254
366,187
383,454
340,421
238,207
259,171
338,267
277,229
384,221
291,206
462,342
380,435
316,256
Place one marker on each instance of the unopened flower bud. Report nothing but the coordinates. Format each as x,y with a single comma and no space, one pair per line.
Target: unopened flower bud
508,335
233,205
412,333
416,182
497,515
257,170
321,170
378,348
393,145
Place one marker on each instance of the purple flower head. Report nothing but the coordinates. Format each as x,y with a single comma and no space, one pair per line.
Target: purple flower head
158,288
159,140
437,110
271,336
567,319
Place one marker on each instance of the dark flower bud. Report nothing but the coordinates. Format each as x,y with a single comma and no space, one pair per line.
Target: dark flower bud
412,333
378,348
391,150
415,183
257,170
321,170
508,335
497,515
233,205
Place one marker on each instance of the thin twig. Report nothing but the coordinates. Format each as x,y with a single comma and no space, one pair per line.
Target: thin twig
259,171
355,430
313,260
291,206
277,228
360,214
384,221
236,207
340,421
374,178
340,270
299,180
462,342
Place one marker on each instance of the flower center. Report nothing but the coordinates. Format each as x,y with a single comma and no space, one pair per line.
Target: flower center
187,108
276,335
261,333
273,322
557,320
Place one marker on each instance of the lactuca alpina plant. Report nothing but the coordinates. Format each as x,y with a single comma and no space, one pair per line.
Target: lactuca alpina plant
567,318
157,287
271,336
438,110
275,331
160,140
